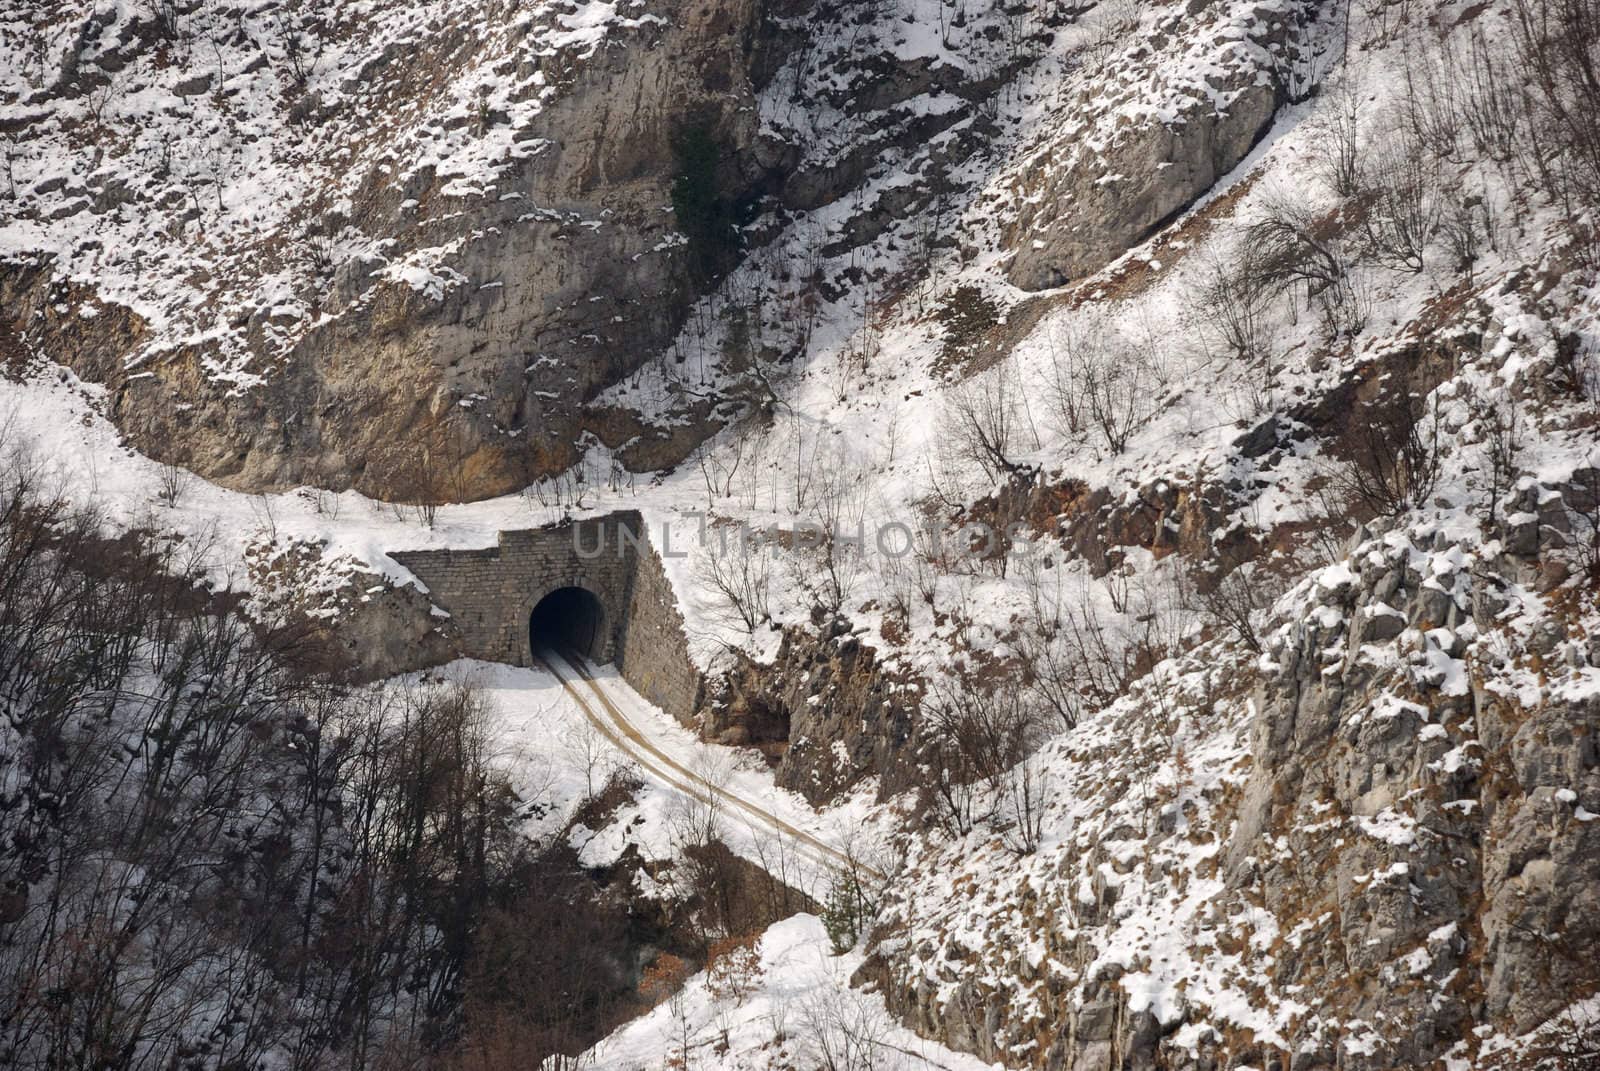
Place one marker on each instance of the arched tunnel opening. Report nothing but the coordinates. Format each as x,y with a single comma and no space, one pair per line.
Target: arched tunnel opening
569,620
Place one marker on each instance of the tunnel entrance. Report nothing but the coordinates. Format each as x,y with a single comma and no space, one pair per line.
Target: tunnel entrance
569,619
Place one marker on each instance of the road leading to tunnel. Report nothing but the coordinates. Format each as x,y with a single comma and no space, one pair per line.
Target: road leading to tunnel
577,678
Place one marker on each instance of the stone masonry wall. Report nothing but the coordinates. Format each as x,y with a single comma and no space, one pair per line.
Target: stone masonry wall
490,595
654,656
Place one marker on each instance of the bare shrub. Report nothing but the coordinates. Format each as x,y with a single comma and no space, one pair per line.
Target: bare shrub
842,1031
567,492
1109,26
1292,247
1556,42
1466,231
172,483
321,253
168,19
264,508
738,569
1075,344
1105,381
1335,139
1576,371
1569,1042
1027,791
984,422
1502,447
300,50
721,463
1075,662
1237,598
1493,106
1404,203
980,730
733,967
1433,120
97,98
593,754
1231,301
325,503
1390,454
1582,498
836,540
1124,391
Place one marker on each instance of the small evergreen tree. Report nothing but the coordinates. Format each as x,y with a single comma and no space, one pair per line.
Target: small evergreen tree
844,913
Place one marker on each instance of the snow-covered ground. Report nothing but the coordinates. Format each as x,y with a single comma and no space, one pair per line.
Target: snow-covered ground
797,1009
868,407
557,757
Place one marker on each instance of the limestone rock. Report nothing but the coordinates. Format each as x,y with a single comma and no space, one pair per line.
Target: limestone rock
1138,158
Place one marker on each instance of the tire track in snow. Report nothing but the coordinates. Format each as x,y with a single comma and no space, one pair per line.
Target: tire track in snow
633,742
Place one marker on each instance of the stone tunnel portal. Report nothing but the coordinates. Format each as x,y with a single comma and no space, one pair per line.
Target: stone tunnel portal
595,584
569,619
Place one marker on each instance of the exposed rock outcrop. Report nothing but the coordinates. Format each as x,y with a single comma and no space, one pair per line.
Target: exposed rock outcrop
450,355
1418,820
826,709
1196,103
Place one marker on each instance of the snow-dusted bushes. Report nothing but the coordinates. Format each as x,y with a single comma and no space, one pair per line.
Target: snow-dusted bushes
1237,599
1292,246
739,571
983,730
1404,202
985,424
1104,382
1336,138
1390,454
1232,304
1557,42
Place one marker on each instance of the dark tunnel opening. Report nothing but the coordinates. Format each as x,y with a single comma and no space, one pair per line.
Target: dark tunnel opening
568,620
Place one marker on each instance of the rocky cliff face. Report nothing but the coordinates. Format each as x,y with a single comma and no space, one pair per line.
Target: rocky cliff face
427,251
1145,142
826,710
394,248
1355,864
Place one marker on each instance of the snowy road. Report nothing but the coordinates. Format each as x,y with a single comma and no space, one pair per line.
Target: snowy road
581,683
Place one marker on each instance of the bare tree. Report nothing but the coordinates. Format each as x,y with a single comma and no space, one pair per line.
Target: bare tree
1405,206
1105,381
592,753
1237,597
1556,42
984,422
1335,138
843,1030
738,568
1582,500
1502,444
1232,300
1025,800
836,539
980,732
1292,247
1493,107
1390,459
172,482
